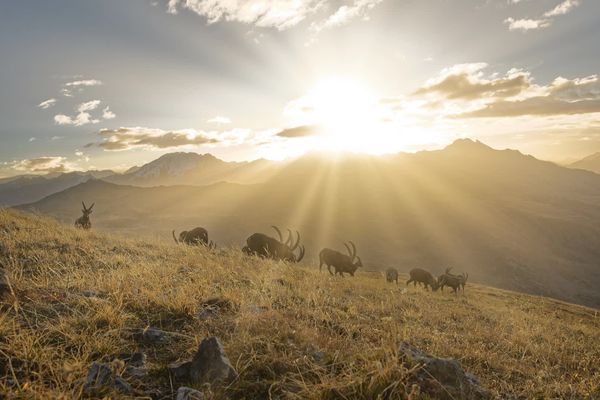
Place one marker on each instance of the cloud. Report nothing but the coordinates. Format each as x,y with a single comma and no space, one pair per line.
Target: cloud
219,120
151,138
107,114
345,14
280,14
32,139
527,24
464,91
563,8
466,81
47,103
83,116
42,165
78,86
86,82
298,131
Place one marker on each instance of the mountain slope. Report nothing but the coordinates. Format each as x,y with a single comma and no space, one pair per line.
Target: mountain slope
290,331
193,169
590,163
507,219
31,188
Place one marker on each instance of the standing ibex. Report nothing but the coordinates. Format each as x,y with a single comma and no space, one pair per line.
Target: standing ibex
391,275
84,222
456,282
342,263
262,245
197,236
418,275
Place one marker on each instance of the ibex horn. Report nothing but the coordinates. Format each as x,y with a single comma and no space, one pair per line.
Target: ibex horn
175,238
278,232
295,246
353,249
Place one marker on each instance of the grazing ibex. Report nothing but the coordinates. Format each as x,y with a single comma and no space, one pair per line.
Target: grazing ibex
342,263
84,222
391,275
197,236
265,246
418,275
456,282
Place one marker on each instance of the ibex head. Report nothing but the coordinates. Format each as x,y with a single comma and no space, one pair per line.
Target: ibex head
352,254
291,245
87,211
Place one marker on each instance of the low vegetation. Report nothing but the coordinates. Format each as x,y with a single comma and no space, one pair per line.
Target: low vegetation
290,331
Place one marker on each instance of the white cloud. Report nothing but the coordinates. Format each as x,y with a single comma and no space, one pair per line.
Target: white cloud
107,114
280,14
219,120
525,25
563,8
86,82
83,116
47,103
32,139
345,14
528,24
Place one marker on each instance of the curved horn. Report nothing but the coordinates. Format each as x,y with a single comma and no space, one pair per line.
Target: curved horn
174,238
295,246
353,250
301,255
278,232
448,270
348,248
92,206
289,239
84,207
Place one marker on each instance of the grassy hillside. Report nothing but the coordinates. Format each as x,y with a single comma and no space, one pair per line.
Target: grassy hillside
291,331
509,220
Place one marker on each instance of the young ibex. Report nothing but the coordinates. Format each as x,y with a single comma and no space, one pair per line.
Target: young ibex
456,282
342,263
391,275
197,236
265,246
418,275
84,222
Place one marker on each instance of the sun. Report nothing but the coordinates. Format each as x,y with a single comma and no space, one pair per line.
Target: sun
347,114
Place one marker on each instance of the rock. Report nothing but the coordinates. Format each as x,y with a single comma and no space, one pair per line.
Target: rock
152,335
210,364
136,365
186,393
180,370
442,378
101,378
90,294
5,288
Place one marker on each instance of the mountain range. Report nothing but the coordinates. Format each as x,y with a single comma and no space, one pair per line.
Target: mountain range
507,219
590,163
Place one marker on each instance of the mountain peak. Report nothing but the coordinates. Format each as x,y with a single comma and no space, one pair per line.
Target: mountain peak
468,144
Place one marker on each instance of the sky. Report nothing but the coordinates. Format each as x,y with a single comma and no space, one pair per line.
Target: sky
108,84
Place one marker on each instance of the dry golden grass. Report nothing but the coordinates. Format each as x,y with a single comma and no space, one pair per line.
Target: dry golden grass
296,333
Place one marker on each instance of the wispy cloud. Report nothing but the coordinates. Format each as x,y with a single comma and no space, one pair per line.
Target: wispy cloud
528,24
83,116
108,114
151,138
47,103
346,13
42,165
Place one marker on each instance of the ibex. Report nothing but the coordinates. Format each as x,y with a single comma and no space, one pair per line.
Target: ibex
418,275
197,236
456,282
391,275
265,246
342,263
84,222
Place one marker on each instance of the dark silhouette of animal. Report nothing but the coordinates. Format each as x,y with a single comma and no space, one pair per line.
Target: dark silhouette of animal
259,244
342,263
195,237
418,275
456,282
84,222
391,275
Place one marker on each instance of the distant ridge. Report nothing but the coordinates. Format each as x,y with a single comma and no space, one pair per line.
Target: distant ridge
590,163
